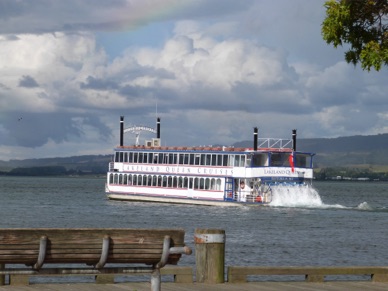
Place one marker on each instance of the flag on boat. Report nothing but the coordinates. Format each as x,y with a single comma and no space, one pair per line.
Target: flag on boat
291,161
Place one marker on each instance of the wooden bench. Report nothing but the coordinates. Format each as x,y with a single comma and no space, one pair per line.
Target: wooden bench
149,249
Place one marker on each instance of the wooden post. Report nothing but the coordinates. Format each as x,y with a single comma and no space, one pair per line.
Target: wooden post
2,277
210,255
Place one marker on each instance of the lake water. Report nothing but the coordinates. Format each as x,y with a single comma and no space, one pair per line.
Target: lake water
334,224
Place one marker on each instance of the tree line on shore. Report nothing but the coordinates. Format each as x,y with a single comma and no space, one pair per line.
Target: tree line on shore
50,171
333,173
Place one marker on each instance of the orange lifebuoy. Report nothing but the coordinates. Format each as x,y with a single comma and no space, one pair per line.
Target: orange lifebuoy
258,199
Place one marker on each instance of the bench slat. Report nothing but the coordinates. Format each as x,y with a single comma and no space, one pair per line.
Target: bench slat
85,245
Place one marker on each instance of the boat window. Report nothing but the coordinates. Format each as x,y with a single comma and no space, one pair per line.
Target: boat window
191,159
180,182
130,157
201,183
161,158
150,158
302,161
129,179
214,160
125,179
135,157
242,161
121,157
181,159
225,160
191,183
116,179
134,180
186,159
164,181
111,179
197,159
207,183
156,158
140,158
154,180
280,159
203,160
237,160
260,160
213,184
145,180
174,181
145,158
248,161
159,181
231,160
125,157
208,159
117,156
218,184
196,183
219,160
185,182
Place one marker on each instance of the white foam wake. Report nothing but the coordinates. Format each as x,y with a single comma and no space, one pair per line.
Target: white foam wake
295,196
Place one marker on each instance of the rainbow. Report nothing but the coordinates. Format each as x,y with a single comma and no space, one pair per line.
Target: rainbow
139,13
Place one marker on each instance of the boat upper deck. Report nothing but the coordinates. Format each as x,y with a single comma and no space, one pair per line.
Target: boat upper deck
265,145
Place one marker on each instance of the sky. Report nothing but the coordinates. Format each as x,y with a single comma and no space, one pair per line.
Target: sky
212,70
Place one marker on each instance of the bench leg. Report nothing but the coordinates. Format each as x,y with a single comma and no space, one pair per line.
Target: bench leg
314,278
380,277
155,280
105,279
19,280
2,277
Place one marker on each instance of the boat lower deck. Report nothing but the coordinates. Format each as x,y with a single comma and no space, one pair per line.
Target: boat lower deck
143,198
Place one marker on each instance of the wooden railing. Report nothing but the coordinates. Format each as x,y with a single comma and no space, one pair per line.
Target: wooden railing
311,274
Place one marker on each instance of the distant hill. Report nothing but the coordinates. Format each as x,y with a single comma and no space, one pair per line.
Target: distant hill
353,151
93,164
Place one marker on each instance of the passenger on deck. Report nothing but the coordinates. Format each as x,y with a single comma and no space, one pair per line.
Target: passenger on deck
243,191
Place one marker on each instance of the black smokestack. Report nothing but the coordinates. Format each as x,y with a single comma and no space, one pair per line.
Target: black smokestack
158,127
255,139
294,139
121,131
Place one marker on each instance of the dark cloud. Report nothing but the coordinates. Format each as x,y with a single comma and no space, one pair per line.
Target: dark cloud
11,37
28,82
43,16
104,131
99,84
34,130
2,86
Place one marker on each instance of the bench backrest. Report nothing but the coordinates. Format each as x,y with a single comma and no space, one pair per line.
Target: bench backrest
145,246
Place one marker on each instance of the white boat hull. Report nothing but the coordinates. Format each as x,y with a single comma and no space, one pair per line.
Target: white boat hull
142,198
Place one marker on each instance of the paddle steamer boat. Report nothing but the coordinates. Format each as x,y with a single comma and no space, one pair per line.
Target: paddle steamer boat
210,175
